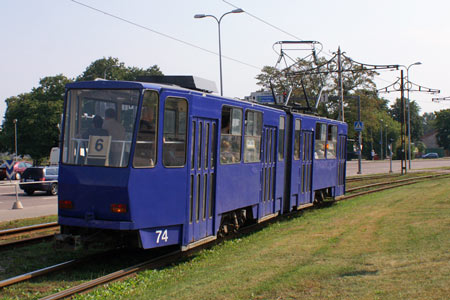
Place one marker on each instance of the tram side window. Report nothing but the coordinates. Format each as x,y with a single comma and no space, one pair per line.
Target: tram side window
145,150
321,140
230,137
281,131
332,142
297,139
174,138
252,139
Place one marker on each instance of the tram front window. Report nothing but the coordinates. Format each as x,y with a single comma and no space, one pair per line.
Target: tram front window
99,126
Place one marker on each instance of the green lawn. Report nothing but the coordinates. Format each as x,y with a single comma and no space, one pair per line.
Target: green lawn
391,245
27,222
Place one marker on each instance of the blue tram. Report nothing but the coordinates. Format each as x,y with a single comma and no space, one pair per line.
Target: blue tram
151,164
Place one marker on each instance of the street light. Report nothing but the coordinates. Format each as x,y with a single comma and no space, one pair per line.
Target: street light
15,139
200,16
386,146
381,140
409,113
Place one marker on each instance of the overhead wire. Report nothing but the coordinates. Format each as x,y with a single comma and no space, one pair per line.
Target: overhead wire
161,33
274,26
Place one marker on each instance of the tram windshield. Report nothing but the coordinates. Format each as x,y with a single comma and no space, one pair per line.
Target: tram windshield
99,126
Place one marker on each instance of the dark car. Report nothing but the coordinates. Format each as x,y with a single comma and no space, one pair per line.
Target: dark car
42,175
430,155
19,168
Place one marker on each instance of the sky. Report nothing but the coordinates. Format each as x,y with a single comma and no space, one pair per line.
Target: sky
42,38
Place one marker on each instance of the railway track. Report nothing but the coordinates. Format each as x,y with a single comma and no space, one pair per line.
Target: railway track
171,257
386,185
360,178
8,234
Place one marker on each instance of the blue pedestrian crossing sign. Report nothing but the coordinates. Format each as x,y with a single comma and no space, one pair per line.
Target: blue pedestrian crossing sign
359,126
9,168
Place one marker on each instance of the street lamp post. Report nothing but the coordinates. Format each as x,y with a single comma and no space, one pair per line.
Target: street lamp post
15,139
409,113
386,145
199,16
381,140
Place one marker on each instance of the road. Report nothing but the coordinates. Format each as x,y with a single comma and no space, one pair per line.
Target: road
41,204
382,166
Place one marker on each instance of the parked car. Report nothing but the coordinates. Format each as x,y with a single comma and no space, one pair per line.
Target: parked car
430,155
19,168
44,174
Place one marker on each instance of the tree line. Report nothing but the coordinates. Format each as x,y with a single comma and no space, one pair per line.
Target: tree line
38,112
381,121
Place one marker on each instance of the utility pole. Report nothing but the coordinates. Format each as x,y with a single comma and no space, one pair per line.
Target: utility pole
403,118
341,86
381,140
393,87
359,137
15,139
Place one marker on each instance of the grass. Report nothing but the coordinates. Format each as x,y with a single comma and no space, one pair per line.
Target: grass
391,245
27,222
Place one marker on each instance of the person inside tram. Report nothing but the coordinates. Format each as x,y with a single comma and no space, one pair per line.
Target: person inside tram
225,126
95,128
147,134
226,153
117,133
147,124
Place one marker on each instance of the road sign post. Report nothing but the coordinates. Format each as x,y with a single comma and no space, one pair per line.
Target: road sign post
358,128
9,172
17,204
9,168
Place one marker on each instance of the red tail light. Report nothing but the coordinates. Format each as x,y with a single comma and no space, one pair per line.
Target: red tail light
119,208
65,204
42,179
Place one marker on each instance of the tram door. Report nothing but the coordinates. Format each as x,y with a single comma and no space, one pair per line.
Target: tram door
202,178
341,163
268,158
306,170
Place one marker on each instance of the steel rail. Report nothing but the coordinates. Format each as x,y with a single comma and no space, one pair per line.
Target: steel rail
130,271
10,233
27,229
392,182
37,273
391,185
166,259
54,268
360,178
26,241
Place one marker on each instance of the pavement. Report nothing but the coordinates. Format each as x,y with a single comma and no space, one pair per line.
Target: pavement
383,166
39,205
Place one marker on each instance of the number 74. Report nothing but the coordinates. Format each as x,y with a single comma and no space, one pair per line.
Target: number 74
161,236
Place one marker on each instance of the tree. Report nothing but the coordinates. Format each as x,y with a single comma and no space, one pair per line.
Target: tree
302,80
428,120
38,115
415,119
442,124
39,111
112,69
357,83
